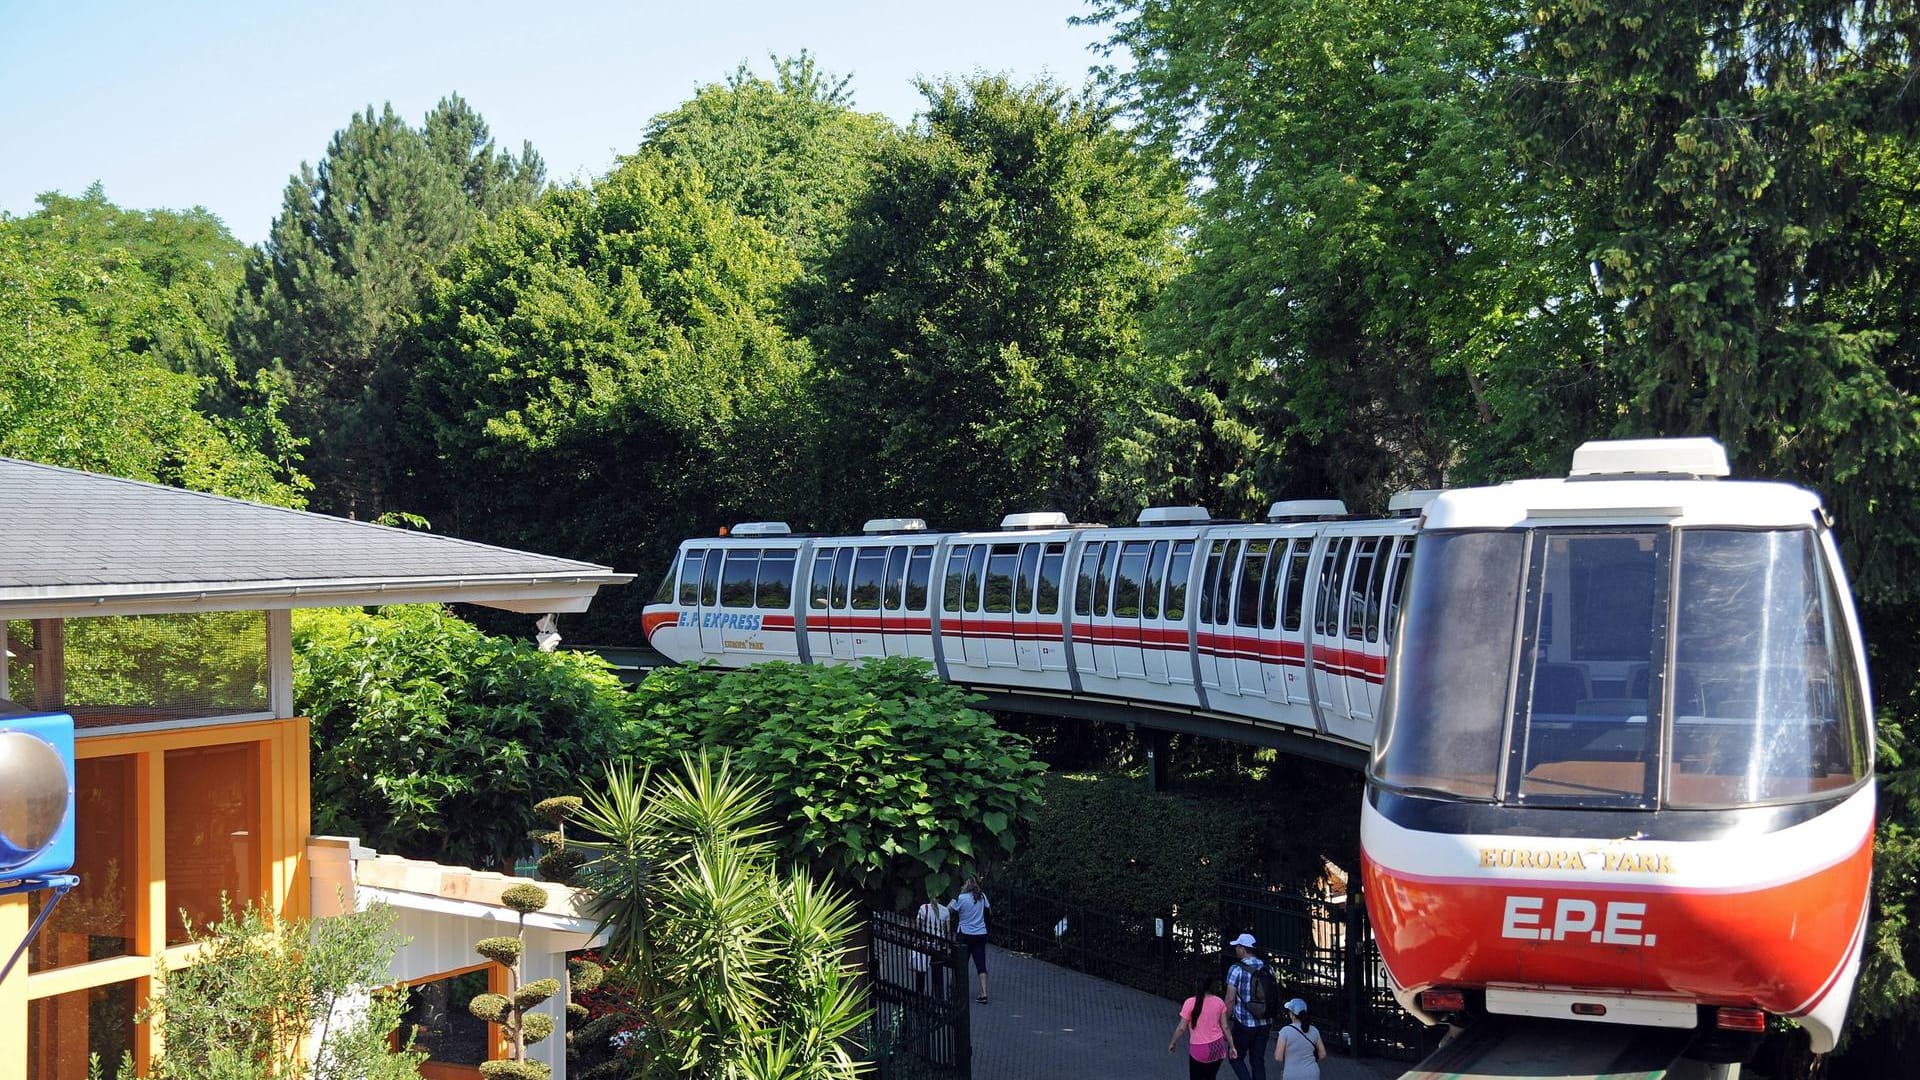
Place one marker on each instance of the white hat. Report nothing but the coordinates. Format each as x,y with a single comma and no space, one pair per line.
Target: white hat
1244,940
1297,1006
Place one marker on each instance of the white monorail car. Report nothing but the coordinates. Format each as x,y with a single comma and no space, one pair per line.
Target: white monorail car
1286,622
1625,771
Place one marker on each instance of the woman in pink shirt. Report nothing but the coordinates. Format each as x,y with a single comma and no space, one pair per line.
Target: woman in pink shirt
1203,1018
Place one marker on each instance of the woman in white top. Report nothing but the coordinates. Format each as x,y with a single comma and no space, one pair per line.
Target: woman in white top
971,905
1298,1048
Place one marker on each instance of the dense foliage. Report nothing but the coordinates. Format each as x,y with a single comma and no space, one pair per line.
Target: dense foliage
887,780
736,968
434,740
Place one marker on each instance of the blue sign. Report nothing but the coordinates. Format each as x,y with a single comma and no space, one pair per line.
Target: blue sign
36,795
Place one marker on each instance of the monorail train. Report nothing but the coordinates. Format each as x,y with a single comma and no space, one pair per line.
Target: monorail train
1285,622
1623,761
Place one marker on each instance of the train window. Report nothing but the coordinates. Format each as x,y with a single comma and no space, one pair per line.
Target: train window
896,578
690,577
956,578
1029,570
775,588
1377,588
1326,607
1001,564
710,579
1210,582
664,594
868,569
1127,579
1047,596
1402,569
822,579
1444,718
1359,575
1103,578
842,576
1253,571
736,581
976,569
1179,567
1156,576
1296,598
1083,589
1577,746
1763,656
919,573
1276,574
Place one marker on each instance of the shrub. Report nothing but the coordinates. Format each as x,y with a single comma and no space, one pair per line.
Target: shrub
886,777
1105,836
432,739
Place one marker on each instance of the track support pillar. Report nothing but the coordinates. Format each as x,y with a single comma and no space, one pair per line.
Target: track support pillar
1159,750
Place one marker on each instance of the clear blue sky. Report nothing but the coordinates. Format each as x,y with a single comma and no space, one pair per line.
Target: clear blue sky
177,104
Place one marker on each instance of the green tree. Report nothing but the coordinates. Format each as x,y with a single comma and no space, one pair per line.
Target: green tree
326,296
740,969
290,999
605,374
892,783
432,739
109,346
789,151
979,326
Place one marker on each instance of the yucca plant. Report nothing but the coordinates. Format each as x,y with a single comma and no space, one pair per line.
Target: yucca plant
742,968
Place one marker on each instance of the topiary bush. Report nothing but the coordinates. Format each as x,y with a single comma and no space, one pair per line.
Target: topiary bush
432,739
887,779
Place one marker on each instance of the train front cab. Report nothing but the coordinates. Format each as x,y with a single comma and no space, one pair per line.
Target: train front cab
1624,771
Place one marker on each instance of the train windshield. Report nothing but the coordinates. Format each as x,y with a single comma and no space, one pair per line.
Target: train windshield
1581,667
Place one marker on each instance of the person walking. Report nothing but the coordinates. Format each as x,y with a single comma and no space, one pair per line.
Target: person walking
1299,1049
1250,1000
1203,1017
932,920
971,905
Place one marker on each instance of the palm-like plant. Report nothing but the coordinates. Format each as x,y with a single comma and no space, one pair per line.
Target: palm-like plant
742,969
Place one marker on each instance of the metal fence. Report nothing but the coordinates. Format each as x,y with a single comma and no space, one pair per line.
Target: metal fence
917,986
1322,949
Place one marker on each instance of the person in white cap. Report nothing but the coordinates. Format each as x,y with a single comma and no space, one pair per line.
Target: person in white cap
1299,1049
1252,999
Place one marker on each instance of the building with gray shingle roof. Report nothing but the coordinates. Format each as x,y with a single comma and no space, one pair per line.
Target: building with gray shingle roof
76,544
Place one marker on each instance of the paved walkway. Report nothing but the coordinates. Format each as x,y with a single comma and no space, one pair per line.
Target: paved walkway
1048,1022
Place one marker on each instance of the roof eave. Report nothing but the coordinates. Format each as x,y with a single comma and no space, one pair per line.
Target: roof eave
564,593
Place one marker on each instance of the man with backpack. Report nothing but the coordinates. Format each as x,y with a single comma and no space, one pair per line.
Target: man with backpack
1253,996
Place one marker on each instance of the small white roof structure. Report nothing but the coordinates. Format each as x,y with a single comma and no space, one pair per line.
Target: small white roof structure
76,544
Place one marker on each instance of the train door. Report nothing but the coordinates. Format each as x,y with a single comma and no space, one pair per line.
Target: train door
1276,661
1082,620
869,569
1329,646
773,601
1217,670
1046,606
1293,625
1153,630
842,632
996,604
1123,619
1250,586
710,639
953,619
819,611
893,593
1173,615
1093,606
1365,608
1382,612
977,622
917,592
1027,639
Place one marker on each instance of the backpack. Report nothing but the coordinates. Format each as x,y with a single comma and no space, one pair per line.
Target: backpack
1265,988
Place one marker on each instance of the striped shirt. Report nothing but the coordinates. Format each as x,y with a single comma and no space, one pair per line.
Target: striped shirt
1240,977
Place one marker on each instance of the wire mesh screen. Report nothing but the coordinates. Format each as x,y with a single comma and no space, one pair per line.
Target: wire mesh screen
134,669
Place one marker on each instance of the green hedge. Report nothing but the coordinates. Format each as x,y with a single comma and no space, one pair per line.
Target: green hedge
1105,837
